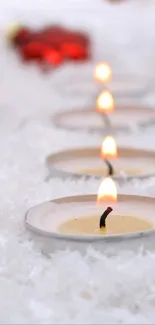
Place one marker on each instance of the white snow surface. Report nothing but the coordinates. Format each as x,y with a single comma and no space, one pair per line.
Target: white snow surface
67,288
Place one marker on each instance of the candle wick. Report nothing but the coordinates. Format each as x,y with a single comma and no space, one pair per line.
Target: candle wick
106,120
104,216
110,168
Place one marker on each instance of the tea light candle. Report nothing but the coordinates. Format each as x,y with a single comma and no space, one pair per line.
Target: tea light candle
109,152
104,109
105,105
103,72
107,223
88,119
105,102
128,162
74,222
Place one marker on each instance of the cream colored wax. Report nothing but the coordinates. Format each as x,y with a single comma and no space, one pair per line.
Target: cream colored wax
103,171
115,224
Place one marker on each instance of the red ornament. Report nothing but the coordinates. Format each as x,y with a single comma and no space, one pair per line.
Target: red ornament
32,51
22,36
78,37
55,29
53,37
51,45
53,56
74,51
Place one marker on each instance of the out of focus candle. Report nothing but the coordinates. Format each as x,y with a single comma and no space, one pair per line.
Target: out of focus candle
102,72
105,102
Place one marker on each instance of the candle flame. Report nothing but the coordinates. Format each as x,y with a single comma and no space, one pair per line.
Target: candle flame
107,191
109,148
105,102
102,72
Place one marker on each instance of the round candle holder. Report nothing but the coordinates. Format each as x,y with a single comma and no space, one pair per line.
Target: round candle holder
124,118
84,85
44,221
86,162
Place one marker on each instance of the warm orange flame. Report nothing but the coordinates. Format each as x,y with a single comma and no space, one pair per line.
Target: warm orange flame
109,148
107,191
102,72
105,102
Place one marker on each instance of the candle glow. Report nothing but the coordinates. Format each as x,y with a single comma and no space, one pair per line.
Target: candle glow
107,191
105,102
109,148
102,72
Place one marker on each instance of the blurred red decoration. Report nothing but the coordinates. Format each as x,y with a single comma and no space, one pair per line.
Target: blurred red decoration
52,45
53,57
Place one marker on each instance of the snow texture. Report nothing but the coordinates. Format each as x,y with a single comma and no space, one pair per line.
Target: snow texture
68,288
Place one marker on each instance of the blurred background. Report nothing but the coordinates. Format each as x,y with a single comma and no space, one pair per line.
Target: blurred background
121,32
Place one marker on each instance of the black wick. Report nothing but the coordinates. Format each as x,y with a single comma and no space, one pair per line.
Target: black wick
106,120
110,168
104,216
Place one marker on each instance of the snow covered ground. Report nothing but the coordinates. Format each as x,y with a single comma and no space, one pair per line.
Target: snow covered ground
68,288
